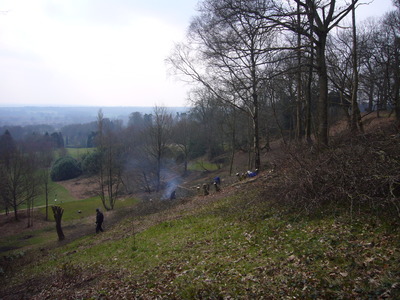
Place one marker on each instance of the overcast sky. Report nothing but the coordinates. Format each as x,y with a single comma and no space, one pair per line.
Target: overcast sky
96,52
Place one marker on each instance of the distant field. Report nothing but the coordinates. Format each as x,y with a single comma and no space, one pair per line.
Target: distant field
202,166
79,152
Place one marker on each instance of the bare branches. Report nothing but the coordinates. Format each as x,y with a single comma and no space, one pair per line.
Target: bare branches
360,175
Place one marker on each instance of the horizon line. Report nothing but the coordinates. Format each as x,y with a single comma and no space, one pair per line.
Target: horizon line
85,106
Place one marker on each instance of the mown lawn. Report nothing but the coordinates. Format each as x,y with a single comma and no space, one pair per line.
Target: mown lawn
56,194
202,166
77,153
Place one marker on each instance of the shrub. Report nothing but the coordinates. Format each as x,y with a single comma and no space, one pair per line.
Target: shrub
358,173
65,168
91,163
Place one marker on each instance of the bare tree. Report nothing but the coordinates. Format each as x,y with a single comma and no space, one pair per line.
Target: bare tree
7,148
356,123
19,181
207,114
344,59
226,52
44,150
391,26
183,136
380,67
370,70
110,171
158,134
323,16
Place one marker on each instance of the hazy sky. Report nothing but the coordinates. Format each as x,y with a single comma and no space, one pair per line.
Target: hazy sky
96,52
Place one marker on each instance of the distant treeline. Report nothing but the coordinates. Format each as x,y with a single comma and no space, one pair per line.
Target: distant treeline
76,134
61,116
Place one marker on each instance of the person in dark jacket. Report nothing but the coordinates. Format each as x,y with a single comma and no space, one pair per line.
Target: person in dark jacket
99,220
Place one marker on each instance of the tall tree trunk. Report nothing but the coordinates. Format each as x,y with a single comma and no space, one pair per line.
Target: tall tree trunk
233,142
371,98
250,136
158,175
256,121
15,208
322,104
255,113
299,130
355,121
397,80
28,212
47,200
309,91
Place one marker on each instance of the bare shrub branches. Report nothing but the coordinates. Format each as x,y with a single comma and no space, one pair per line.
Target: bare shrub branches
357,173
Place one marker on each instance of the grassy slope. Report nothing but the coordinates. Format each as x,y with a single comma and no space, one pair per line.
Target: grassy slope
79,209
74,223
231,244
55,192
234,245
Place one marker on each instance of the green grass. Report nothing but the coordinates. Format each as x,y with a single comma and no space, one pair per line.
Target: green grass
39,238
235,250
80,209
202,166
77,209
29,240
218,253
55,191
77,153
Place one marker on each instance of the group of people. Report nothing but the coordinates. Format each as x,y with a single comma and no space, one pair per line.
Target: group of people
205,191
247,174
206,187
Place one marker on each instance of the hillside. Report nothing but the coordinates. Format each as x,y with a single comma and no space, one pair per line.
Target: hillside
324,224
